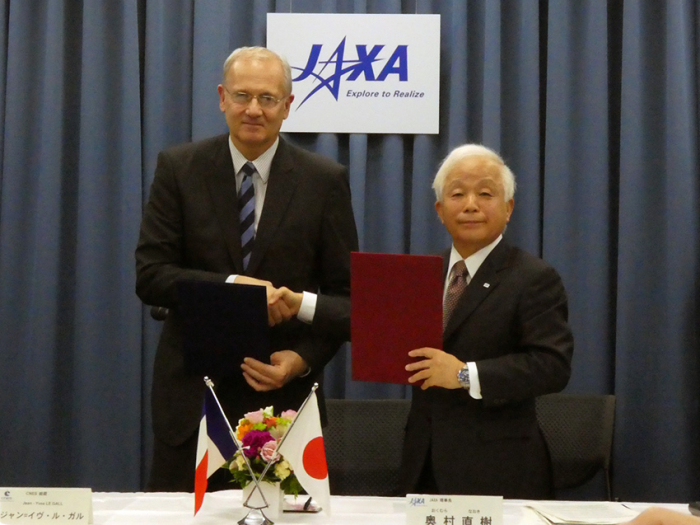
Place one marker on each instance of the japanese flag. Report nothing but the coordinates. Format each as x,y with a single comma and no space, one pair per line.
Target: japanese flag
303,448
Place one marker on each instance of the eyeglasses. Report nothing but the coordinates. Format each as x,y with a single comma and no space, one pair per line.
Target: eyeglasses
241,98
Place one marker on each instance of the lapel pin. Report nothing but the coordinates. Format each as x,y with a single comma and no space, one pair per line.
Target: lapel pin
486,285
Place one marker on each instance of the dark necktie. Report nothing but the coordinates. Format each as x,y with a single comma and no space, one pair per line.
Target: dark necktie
246,214
457,284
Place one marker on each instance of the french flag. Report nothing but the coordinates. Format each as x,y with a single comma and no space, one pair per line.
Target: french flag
215,446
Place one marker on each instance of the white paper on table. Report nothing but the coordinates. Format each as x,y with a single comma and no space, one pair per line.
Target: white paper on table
584,513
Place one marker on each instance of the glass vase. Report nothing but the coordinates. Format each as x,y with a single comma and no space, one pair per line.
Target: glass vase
273,494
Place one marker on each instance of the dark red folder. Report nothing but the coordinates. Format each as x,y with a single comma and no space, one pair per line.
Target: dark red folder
396,307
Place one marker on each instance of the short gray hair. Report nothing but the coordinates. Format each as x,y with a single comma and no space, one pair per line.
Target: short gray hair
260,53
460,153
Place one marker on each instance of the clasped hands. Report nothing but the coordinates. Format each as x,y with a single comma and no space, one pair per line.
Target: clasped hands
282,303
285,365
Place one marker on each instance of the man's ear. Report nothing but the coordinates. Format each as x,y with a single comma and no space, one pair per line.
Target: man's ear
220,89
288,105
438,209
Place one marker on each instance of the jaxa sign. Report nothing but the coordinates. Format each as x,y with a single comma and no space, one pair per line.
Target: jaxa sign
356,73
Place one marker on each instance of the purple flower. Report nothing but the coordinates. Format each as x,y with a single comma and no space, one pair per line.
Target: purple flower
254,440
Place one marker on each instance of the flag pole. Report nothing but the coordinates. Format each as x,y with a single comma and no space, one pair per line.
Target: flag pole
239,445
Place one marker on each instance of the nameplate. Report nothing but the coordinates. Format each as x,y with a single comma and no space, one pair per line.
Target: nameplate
45,505
428,509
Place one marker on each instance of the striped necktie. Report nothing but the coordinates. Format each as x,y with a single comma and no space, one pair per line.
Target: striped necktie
246,214
455,288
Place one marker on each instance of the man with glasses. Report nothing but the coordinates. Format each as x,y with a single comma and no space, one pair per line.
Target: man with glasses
244,207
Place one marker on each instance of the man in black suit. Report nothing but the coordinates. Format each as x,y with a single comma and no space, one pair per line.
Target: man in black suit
191,229
472,427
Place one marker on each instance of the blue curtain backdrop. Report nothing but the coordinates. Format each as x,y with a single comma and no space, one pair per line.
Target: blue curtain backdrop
594,105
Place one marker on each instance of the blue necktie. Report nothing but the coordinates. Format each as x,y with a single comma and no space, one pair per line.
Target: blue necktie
246,214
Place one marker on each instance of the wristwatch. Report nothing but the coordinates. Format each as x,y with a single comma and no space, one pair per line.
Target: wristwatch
463,377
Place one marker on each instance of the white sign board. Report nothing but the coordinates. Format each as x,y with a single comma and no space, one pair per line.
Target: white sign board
355,73
422,509
60,506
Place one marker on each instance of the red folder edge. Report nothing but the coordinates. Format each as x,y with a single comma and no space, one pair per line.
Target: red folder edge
396,306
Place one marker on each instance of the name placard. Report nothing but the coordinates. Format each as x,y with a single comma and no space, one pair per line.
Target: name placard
428,509
23,505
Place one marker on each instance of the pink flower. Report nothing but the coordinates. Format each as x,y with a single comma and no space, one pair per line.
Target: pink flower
289,414
269,451
255,417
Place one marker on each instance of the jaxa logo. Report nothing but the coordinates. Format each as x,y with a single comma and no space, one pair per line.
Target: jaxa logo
338,66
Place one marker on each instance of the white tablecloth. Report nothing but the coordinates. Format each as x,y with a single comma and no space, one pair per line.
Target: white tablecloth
225,507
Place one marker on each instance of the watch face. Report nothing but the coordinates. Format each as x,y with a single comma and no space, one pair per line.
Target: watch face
463,377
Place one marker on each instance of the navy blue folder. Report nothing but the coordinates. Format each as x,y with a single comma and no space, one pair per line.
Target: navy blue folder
222,324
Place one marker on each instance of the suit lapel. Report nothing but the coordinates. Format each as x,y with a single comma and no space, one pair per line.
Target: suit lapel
280,190
221,182
482,284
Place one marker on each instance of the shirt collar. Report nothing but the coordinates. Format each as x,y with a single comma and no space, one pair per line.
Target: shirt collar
262,163
474,261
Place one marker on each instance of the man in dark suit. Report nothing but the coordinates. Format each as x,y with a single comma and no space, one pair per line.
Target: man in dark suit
192,228
472,427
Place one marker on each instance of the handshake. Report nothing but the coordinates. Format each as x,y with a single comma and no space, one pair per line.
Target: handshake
282,303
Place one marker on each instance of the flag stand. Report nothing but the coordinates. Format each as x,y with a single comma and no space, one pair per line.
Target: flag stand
272,502
253,518
256,517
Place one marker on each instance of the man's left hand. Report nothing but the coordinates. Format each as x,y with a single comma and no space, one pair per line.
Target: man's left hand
284,366
437,369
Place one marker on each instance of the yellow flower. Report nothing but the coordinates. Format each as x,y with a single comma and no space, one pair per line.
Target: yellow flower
282,469
277,432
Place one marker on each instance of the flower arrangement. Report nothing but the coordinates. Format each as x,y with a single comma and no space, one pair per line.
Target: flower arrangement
259,434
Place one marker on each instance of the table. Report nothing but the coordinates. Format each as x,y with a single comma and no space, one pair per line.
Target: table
225,507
